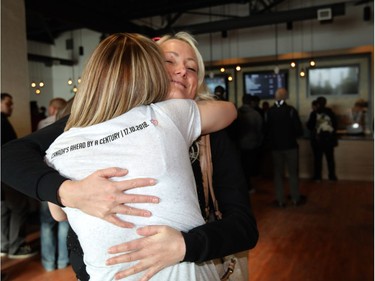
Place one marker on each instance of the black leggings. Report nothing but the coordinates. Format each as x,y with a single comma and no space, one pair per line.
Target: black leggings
76,256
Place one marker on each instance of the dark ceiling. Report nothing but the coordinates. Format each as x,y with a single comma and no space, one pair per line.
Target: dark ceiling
46,19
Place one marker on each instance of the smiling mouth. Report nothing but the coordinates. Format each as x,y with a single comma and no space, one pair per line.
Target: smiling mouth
179,83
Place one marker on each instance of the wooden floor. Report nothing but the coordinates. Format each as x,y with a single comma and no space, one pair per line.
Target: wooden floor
329,238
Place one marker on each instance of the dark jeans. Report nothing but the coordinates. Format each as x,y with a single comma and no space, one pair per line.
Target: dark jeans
76,256
289,159
328,151
14,214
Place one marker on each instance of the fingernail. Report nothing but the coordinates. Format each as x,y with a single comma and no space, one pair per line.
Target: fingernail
155,200
153,181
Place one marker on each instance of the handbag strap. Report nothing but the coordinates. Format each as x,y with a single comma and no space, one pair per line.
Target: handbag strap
205,161
207,171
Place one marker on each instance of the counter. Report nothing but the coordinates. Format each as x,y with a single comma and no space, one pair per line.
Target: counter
354,158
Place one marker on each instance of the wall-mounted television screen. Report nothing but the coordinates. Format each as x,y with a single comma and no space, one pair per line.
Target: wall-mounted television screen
215,81
264,83
333,80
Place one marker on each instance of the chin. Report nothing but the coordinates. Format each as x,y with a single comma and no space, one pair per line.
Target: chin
177,94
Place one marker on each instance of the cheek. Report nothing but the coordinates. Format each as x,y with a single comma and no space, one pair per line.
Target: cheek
193,88
191,95
169,69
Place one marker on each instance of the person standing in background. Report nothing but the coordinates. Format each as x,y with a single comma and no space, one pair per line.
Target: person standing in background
49,239
265,106
313,141
55,105
220,93
7,131
256,105
323,124
283,127
250,138
14,205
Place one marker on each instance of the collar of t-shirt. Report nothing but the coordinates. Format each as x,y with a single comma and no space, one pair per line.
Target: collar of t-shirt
279,103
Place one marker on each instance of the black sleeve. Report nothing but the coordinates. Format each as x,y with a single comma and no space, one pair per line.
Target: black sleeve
334,120
310,124
23,166
237,231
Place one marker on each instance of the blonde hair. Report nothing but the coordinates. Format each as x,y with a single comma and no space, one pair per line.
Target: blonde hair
126,70
203,92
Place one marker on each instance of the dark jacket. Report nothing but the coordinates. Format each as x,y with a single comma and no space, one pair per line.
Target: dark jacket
283,127
7,131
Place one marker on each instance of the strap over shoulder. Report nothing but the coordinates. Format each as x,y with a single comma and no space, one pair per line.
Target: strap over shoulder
207,171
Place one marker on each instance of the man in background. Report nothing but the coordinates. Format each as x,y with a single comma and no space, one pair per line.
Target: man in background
55,105
283,127
323,125
53,234
250,138
220,93
14,205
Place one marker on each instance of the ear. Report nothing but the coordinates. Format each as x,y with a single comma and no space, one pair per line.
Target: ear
54,110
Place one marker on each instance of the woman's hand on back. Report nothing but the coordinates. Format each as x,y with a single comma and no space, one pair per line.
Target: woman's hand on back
99,196
161,246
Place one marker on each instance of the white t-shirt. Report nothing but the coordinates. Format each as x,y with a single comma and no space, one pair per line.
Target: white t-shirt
149,141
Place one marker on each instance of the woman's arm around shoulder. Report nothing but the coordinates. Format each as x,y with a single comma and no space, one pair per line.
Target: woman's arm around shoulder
216,115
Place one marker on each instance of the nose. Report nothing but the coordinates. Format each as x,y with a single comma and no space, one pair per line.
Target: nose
180,70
